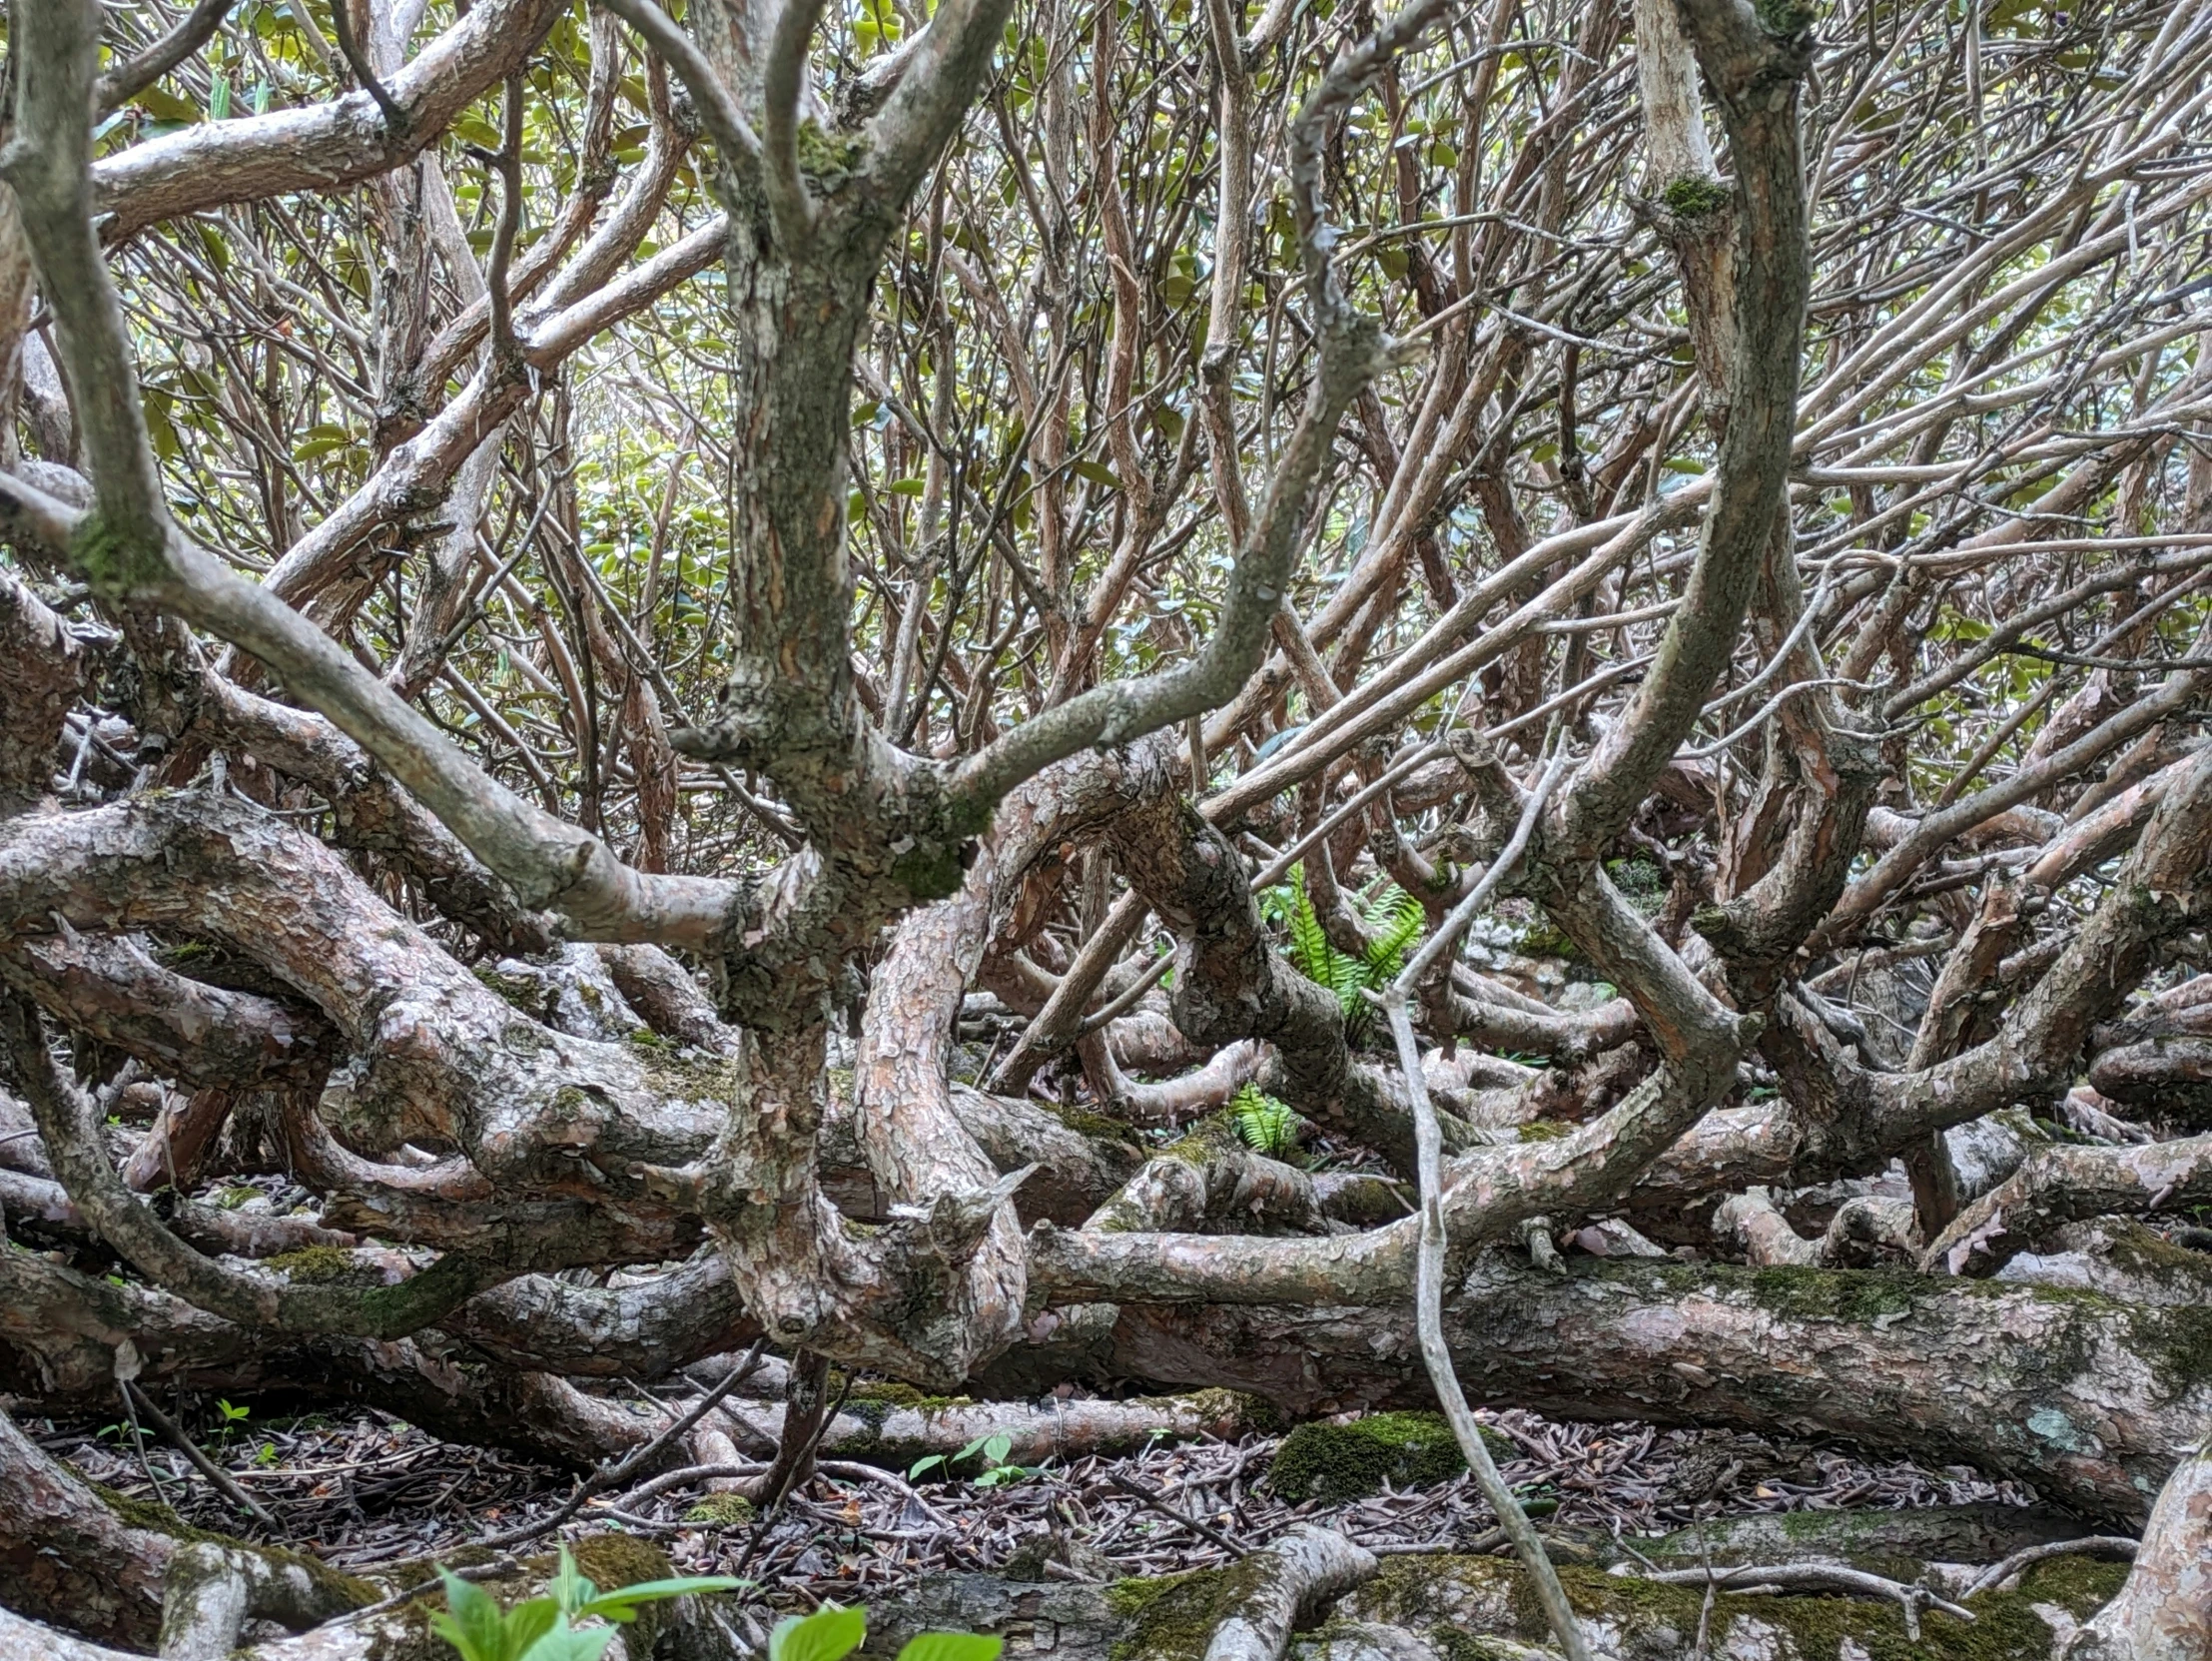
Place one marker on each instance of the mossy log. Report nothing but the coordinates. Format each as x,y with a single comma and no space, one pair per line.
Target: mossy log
116,1569
2091,1400
1934,1534
895,1424
1483,1609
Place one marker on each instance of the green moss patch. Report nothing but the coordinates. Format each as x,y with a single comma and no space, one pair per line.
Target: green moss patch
1464,1605
2080,1585
2177,1342
325,1266
1837,1294
157,1519
722,1511
1172,1617
1337,1462
1095,1125
1690,196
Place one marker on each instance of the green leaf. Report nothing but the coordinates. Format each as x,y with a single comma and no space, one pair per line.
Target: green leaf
1395,920
829,1634
529,1621
219,98
1264,1123
167,106
622,1605
1099,473
159,428
571,1589
927,1462
951,1646
471,1622
564,1643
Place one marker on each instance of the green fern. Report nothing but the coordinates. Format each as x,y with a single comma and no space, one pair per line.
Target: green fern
1393,921
1304,942
1264,1124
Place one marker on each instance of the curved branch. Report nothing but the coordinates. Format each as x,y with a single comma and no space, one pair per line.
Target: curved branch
130,549
2061,1184
1352,350
724,120
1300,1570
70,1122
324,146
1122,710
1754,76
783,87
132,76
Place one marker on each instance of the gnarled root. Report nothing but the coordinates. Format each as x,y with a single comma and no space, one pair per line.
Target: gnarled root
2164,1610
1303,1568
119,1571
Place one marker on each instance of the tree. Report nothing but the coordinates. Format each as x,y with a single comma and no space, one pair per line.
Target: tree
591,595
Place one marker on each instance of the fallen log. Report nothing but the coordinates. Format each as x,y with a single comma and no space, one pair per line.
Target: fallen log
1444,1608
892,1425
2093,1400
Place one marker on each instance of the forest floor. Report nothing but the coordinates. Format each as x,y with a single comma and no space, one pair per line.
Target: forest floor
368,1491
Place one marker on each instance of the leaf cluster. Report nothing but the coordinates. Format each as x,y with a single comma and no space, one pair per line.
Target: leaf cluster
1264,1123
831,1633
994,1448
1391,920
542,1628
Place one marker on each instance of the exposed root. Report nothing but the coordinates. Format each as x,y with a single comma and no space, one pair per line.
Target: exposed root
1753,1220
2164,1610
1270,1589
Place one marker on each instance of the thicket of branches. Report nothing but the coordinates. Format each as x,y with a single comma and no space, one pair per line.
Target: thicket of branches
1042,693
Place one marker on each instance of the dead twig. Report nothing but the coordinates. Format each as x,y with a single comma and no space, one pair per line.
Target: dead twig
1138,1491
206,1466
2092,1545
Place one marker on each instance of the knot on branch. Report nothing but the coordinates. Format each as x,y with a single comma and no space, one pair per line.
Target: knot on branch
951,1227
1786,19
731,734
118,563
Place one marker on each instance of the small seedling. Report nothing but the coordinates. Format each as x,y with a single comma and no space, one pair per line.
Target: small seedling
994,1446
538,1628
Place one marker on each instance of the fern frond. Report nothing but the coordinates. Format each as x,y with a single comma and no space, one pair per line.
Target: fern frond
1394,922
1391,916
1395,931
1383,903
1263,1122
1308,943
